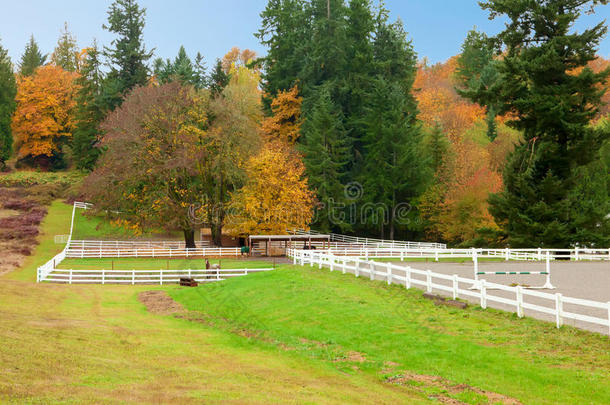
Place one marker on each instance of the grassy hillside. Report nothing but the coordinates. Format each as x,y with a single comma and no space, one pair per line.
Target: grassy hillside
296,335
98,344
393,334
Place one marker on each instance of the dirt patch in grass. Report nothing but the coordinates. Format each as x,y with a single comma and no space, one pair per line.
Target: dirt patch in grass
7,213
445,392
353,357
159,303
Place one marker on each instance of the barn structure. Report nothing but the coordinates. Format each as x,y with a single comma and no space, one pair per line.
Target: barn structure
276,245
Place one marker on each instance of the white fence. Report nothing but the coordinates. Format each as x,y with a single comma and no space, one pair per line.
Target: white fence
110,251
454,285
436,253
133,277
337,237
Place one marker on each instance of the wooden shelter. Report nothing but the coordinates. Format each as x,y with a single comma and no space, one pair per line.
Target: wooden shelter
283,242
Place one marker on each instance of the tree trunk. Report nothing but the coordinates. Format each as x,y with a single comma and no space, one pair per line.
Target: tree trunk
217,234
189,238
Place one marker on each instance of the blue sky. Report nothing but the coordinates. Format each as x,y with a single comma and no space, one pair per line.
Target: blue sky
437,27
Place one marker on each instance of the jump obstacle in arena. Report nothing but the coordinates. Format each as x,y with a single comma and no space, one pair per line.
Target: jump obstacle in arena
547,272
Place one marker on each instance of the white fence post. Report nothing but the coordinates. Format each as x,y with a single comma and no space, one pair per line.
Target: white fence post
519,290
576,255
608,317
483,295
357,268
558,310
455,286
103,277
372,270
344,261
429,281
408,277
506,254
389,273
436,255
70,281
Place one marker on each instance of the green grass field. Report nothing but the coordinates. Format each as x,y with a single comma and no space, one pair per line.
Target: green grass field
296,335
89,226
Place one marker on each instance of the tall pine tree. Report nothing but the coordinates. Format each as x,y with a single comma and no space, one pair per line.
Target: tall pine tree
8,90
127,56
545,84
325,154
477,73
89,111
65,54
31,59
394,168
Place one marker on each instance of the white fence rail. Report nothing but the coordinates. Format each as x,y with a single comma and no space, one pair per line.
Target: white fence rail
436,254
133,277
100,252
450,284
337,237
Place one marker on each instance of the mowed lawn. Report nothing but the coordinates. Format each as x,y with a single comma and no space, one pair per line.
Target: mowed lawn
98,344
294,335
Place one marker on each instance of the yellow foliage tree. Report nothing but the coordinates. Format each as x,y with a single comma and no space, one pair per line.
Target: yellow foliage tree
285,123
275,197
44,117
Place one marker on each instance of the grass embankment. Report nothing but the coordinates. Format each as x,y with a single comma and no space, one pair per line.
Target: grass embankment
396,335
155,264
98,344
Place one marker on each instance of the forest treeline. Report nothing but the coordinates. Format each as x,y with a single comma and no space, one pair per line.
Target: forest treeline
340,126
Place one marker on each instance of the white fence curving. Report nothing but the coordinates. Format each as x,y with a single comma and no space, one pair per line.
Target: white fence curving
428,280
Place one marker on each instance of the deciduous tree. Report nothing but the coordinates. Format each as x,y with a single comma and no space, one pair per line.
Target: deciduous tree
44,118
284,124
275,197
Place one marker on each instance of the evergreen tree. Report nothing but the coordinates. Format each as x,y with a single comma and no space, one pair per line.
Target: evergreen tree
31,58
218,79
65,54
89,111
286,31
325,154
358,83
8,90
127,56
477,73
181,69
545,83
437,147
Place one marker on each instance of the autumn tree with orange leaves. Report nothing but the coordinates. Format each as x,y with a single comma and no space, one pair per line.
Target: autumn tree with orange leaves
44,120
276,196
285,123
